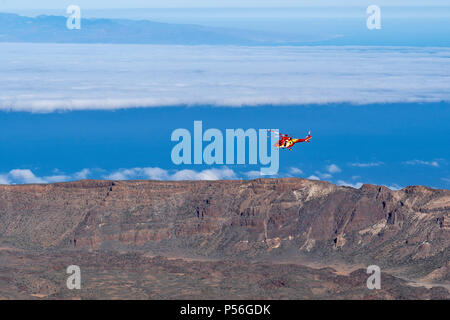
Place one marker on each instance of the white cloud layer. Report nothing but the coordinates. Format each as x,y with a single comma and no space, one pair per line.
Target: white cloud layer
49,77
295,171
26,176
4,179
253,174
394,187
367,164
161,174
332,168
356,185
323,175
83,174
139,173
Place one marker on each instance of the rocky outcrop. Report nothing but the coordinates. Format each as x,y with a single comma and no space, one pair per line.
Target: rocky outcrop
259,219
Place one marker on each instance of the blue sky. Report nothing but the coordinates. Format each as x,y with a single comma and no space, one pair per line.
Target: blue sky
390,144
378,109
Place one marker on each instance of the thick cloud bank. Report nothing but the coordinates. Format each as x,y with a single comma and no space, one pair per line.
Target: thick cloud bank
49,77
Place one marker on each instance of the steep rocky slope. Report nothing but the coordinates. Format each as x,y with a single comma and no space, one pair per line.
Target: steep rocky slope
268,220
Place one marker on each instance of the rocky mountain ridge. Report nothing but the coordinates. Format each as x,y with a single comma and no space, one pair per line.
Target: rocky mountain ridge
263,220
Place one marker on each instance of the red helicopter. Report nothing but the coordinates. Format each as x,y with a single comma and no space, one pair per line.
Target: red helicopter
287,142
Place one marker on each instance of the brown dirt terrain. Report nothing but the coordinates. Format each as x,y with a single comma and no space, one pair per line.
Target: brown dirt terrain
266,238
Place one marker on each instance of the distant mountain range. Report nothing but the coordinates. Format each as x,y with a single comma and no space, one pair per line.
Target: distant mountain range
52,29
302,31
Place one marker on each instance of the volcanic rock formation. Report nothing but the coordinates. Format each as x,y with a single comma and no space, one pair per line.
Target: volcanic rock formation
283,225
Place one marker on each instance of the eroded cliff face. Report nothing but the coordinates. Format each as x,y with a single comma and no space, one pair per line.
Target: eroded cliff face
247,219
